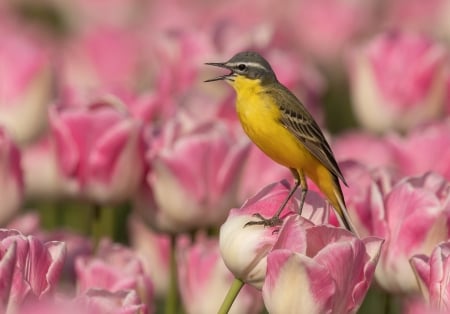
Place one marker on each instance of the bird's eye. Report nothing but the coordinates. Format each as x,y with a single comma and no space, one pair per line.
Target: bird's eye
242,67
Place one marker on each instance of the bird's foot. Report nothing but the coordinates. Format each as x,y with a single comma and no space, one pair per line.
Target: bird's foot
266,222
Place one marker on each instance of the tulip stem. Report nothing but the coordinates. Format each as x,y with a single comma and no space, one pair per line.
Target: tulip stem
172,299
233,292
102,224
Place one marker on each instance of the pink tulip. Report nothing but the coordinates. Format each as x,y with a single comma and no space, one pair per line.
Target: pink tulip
412,215
154,251
90,62
257,241
398,80
113,268
11,178
423,149
96,147
433,275
362,181
330,274
25,90
36,267
204,280
194,175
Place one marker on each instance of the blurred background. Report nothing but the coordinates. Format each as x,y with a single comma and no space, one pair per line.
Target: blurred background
108,133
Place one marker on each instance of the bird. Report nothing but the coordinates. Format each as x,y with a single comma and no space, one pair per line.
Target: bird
278,123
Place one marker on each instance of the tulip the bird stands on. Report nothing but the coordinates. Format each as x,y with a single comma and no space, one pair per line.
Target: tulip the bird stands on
278,123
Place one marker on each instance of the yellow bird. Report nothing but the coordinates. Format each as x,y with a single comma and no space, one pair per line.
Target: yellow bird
278,123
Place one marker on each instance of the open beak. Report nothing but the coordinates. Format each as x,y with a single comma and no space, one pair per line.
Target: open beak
219,78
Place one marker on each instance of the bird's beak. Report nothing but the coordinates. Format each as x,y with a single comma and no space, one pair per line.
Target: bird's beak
219,78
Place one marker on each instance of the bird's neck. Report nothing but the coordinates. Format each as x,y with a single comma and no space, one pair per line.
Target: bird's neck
245,86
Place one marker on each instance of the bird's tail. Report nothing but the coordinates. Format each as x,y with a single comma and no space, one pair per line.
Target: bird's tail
338,202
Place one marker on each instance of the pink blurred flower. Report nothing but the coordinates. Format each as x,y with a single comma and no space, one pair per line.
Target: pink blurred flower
11,178
67,306
174,59
153,107
194,175
362,180
335,23
27,223
330,274
103,301
95,147
25,88
90,62
370,150
423,149
154,251
244,249
259,170
113,268
204,280
412,215
404,154
94,301
429,17
34,267
398,80
42,175
433,275
83,14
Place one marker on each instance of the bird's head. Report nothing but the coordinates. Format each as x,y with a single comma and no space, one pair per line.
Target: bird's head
246,67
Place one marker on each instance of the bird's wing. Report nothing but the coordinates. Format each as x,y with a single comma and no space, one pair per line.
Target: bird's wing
299,122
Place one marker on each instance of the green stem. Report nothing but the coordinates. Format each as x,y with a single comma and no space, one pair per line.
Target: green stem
103,223
95,226
172,299
233,292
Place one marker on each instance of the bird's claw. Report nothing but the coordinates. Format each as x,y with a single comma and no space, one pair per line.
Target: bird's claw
266,222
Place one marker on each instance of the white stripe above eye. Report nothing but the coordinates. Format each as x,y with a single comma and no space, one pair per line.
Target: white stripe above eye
249,64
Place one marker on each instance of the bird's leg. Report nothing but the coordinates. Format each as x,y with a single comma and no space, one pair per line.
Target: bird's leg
275,220
304,188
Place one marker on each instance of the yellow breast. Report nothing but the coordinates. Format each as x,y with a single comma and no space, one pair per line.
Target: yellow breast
259,116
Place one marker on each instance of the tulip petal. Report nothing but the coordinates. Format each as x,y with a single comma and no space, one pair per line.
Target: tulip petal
69,155
415,211
421,267
292,235
295,282
46,262
109,148
440,276
7,264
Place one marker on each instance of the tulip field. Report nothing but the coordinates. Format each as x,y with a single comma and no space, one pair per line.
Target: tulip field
127,182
